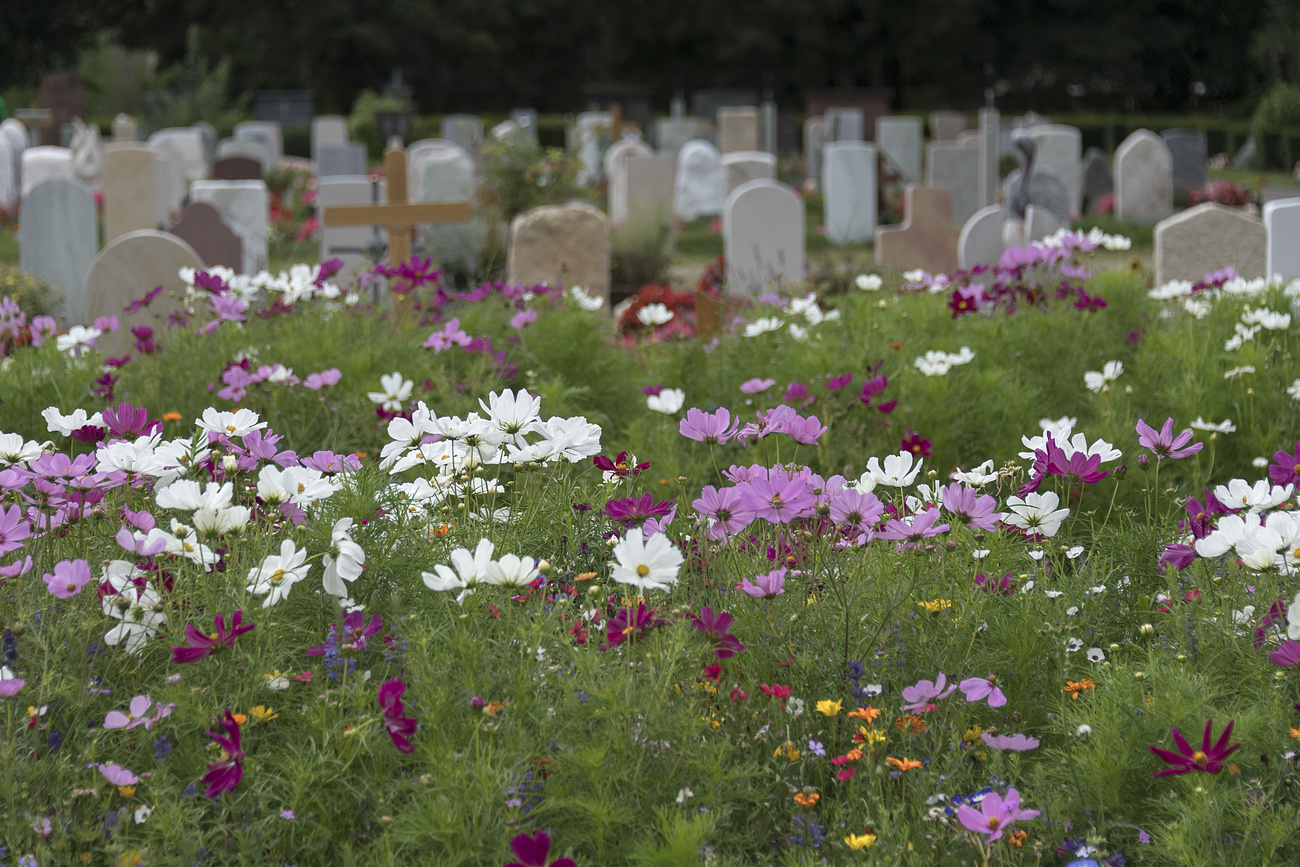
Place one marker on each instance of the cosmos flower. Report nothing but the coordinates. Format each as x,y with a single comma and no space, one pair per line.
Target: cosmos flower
1209,758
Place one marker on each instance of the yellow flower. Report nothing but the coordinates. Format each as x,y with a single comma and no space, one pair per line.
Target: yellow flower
788,750
127,791
262,714
870,737
934,606
239,718
1295,733
858,842
130,858
972,734
829,708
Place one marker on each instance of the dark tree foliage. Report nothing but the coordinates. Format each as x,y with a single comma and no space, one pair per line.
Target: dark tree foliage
494,54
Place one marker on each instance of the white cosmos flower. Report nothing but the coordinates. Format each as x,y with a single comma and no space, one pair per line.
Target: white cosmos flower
345,561
513,571
278,573
188,495
654,314
869,282
1241,335
514,414
933,363
647,565
1036,513
78,340
578,294
1294,390
763,326
898,471
56,422
1293,619
230,424
1095,380
396,389
1225,536
139,610
15,450
1240,494
468,570
1269,319
209,521
572,439
669,401
1226,426
1172,289
1239,371
978,477
299,485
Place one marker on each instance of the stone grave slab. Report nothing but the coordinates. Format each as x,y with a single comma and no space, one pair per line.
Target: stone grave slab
946,125
9,186
737,128
169,178
1190,150
44,162
267,133
561,245
229,147
59,239
849,191
845,124
125,128
1282,221
763,237
126,270
243,206
927,238
1097,180
188,146
1144,178
956,167
983,238
697,183
650,188
814,144
208,133
613,165
740,167
341,160
1207,238
202,228
130,189
347,242
327,129
1060,151
237,169
990,135
1046,190
899,139
448,175
672,133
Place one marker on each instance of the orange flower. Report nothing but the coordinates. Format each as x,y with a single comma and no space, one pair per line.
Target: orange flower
494,708
240,718
1081,686
1017,838
910,721
444,530
903,764
584,576
853,755
867,713
807,801
171,416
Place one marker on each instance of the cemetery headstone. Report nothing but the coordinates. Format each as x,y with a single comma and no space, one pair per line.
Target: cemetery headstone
957,168
1060,151
130,189
591,139
899,140
465,130
13,131
946,125
1282,221
741,167
60,92
672,133
416,155
327,129
341,160
649,188
237,169
208,133
447,175
1097,180
243,205
707,102
1206,238
42,163
767,126
229,147
125,270
697,185
927,238
1144,181
1246,156
268,134
990,149
9,190
845,124
849,191
814,143
613,165
1190,150
526,120
561,245
187,144
983,240
125,128
763,237
287,108
169,177
347,242
202,228
87,154
737,129
1046,190
59,238
969,138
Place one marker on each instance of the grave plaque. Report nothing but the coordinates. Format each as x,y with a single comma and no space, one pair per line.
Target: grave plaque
899,140
237,169
946,125
927,239
126,270
1207,238
243,205
130,189
737,129
202,228
266,133
957,168
561,245
1060,151
763,237
59,239
849,191
1189,150
341,160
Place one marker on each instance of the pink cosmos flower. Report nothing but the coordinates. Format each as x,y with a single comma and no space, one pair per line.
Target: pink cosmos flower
317,381
532,851
971,507
979,688
1209,758
1287,654
1285,469
779,499
68,578
717,627
400,728
21,566
523,318
1016,743
138,715
727,510
765,586
13,529
704,427
9,688
837,383
995,814
915,528
224,774
1164,444
450,335
856,510
756,386
805,430
634,511
118,775
922,694
797,392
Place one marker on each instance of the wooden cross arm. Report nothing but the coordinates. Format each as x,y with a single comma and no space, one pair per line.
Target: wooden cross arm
397,216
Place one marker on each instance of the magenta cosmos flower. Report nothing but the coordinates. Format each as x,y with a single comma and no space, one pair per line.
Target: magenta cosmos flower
1285,469
224,774
779,499
756,386
726,510
68,578
766,585
924,693
13,529
1164,444
9,688
970,506
717,628
858,511
1208,758
914,529
400,728
995,815
205,645
979,688
533,850
705,427
634,511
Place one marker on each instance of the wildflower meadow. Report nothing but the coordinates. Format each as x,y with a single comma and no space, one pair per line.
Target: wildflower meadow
980,568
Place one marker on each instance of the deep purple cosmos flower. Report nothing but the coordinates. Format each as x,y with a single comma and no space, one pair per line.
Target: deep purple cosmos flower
225,774
1209,758
717,627
400,728
1163,443
205,645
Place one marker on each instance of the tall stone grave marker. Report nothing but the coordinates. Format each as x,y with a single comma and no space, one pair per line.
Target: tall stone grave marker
202,228
125,270
957,168
237,169
672,133
1206,238
649,188
1097,180
59,239
740,167
591,133
418,152
188,146
169,177
327,129
268,134
814,144
130,189
990,141
1190,151
14,134
613,165
447,175
1060,151
946,125
561,245
42,163
737,128
899,139
335,160
125,128
243,205
845,124
348,243
697,185
1144,178
763,237
849,191
1282,220
465,130
927,239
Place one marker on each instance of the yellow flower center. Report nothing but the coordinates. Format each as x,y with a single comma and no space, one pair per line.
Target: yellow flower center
1199,758
230,428
994,823
278,576
643,570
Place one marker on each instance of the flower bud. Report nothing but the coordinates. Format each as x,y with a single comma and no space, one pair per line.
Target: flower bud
230,464
1147,630
476,703
544,567
1144,463
1083,730
1119,472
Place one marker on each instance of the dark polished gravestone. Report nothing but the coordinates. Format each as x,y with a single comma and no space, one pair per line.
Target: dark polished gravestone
237,169
202,228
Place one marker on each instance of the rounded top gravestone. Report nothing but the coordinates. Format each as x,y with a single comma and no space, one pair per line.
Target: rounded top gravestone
1144,178
130,267
763,237
60,234
561,245
697,186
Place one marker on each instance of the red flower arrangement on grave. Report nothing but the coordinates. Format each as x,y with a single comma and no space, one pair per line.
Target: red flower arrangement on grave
680,304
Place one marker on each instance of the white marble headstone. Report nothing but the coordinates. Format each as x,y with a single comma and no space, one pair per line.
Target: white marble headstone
346,159
187,143
266,132
845,124
763,237
649,188
741,167
448,175
849,191
1144,178
1282,220
44,162
59,239
347,242
327,129
614,165
697,185
243,205
1206,238
672,133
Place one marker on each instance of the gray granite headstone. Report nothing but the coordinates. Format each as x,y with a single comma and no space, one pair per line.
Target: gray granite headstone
1097,180
763,238
1282,220
1206,238
243,205
130,189
849,191
447,175
650,188
229,147
845,124
417,153
1144,181
990,146
983,238
465,130
740,167
614,166
327,129
265,132
209,134
341,160
698,182
188,145
672,133
1190,150
169,174
126,270
899,139
946,125
1060,150
348,243
957,168
59,238
202,228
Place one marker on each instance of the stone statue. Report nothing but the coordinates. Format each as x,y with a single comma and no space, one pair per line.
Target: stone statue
87,154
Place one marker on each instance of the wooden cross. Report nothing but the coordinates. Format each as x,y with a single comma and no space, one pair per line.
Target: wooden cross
616,125
399,217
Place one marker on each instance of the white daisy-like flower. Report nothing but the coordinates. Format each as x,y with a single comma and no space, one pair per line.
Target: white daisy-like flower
978,477
1226,426
56,422
1053,594
396,390
1036,513
344,562
869,282
646,564
652,315
278,573
899,471
513,571
1096,654
515,414
980,553
578,295
763,326
230,424
467,570
1074,553
1294,390
79,339
15,450
1073,645
669,401
1239,371
187,495
1095,381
